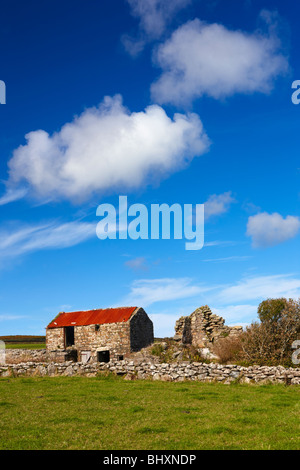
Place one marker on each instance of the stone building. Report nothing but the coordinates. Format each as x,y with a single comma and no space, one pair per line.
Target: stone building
98,335
202,328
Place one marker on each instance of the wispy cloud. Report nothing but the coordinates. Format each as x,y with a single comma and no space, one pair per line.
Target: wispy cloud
220,243
228,258
242,314
145,292
153,16
9,317
16,241
137,264
12,195
260,288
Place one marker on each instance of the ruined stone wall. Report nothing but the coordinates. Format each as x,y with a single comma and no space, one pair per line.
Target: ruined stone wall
202,328
141,331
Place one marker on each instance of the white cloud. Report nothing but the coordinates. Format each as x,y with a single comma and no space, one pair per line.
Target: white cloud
237,314
209,59
154,16
107,149
260,288
228,258
149,291
8,317
218,204
271,229
16,241
220,243
12,195
145,292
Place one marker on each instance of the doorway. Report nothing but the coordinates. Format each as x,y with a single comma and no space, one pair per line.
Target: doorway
69,336
103,356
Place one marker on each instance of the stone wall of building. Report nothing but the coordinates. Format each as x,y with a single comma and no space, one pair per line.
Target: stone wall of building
202,328
176,372
55,339
141,330
113,337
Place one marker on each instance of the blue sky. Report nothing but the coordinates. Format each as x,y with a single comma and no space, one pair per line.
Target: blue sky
183,102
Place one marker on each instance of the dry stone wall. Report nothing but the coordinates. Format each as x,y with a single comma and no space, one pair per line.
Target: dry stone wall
25,355
177,372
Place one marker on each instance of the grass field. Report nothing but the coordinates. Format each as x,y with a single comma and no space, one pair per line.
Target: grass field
25,346
112,414
24,342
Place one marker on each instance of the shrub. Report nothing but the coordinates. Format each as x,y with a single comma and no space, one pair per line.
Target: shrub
271,310
157,349
229,349
270,341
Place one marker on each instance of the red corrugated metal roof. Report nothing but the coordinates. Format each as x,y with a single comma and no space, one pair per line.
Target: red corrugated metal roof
92,317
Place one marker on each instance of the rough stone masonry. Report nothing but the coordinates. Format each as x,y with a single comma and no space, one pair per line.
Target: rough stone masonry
202,328
176,372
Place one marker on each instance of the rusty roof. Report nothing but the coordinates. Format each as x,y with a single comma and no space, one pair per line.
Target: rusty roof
92,317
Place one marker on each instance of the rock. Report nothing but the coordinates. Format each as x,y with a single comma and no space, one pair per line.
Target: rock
69,371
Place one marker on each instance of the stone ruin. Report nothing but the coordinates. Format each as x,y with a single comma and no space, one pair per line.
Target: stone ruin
202,328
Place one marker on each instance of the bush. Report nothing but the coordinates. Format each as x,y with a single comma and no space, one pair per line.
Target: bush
269,342
271,310
229,349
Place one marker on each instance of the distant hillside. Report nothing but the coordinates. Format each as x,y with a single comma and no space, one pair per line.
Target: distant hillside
23,339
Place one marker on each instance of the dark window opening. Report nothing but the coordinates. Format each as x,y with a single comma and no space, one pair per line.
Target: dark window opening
97,327
69,336
120,358
103,356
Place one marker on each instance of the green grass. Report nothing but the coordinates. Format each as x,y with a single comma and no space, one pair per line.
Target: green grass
25,346
24,342
113,414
